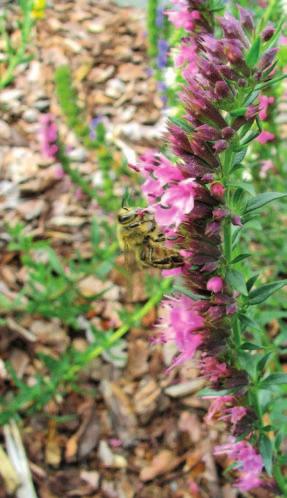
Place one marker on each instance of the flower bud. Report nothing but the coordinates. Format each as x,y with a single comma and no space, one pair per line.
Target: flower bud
268,33
246,19
215,284
227,132
217,190
221,89
220,145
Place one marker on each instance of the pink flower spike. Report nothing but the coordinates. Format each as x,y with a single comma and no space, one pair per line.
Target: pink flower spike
215,284
264,137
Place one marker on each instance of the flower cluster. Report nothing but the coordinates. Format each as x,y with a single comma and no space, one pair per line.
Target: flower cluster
249,463
188,198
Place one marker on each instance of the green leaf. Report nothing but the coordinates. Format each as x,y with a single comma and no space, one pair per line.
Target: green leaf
262,362
212,392
246,322
240,257
274,379
253,54
262,293
236,281
251,281
262,199
239,156
250,346
182,124
240,111
265,447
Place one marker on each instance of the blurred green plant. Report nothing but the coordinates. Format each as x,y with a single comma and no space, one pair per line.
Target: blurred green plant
51,290
16,54
93,136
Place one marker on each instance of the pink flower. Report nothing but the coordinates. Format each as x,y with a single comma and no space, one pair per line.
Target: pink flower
217,406
212,369
183,325
234,414
173,272
215,284
49,136
151,188
187,53
264,102
248,463
265,167
183,18
264,137
177,201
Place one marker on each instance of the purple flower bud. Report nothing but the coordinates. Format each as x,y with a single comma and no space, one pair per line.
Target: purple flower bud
231,309
252,111
217,190
241,82
212,229
236,221
228,73
246,19
215,284
210,267
227,132
268,33
208,178
220,213
209,70
221,89
234,51
206,132
220,146
232,28
268,58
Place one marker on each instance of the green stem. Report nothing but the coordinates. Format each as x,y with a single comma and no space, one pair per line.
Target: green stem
155,299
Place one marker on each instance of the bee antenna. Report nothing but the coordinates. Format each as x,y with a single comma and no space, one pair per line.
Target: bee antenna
125,199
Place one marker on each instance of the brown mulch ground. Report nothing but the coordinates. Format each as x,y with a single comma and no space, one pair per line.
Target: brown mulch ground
131,431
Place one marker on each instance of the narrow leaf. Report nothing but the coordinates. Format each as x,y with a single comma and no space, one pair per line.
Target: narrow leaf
274,379
240,257
265,447
262,199
182,124
236,281
262,293
253,54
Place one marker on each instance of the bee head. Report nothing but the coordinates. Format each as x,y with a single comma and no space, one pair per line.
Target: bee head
126,215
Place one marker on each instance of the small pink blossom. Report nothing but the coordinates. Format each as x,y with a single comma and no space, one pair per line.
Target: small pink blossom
49,136
183,18
183,325
217,406
264,103
186,54
212,369
173,272
248,463
234,414
177,201
151,188
264,137
266,166
215,284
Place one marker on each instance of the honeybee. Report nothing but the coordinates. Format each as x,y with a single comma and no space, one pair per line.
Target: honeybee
143,242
